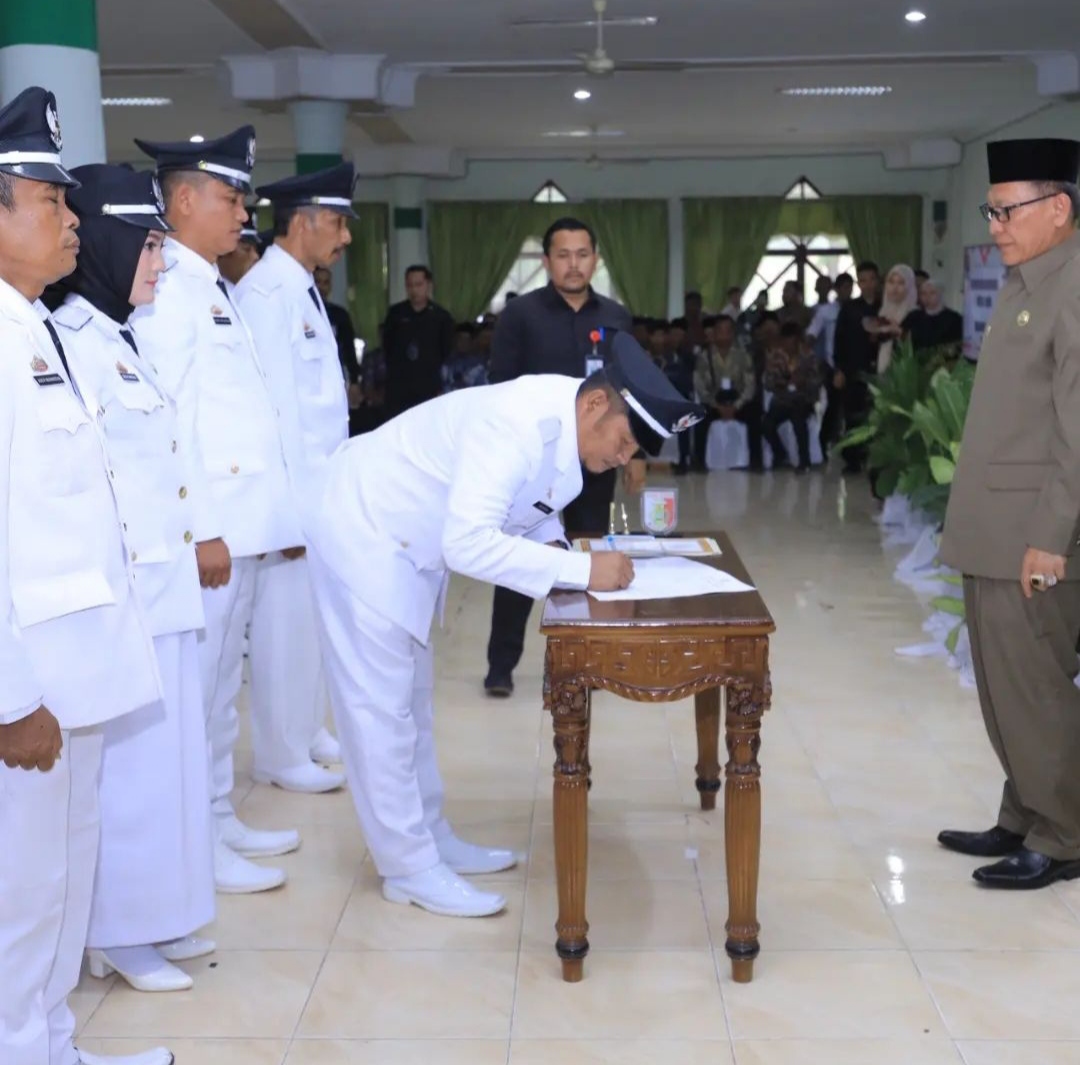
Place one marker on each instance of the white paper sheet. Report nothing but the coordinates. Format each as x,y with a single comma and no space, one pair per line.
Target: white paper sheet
674,578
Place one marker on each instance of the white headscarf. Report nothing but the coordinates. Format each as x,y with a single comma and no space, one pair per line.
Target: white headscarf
896,312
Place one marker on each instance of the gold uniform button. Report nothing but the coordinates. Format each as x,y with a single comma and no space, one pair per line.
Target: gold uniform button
183,492
1023,318
234,469
188,537
134,557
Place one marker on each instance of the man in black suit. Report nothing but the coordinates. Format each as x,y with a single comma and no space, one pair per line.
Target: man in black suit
563,328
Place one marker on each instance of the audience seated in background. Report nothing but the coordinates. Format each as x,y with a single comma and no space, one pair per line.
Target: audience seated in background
794,307
725,384
467,365
933,327
793,379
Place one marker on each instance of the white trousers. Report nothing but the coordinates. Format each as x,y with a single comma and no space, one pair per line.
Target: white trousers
155,877
288,696
380,682
48,850
221,663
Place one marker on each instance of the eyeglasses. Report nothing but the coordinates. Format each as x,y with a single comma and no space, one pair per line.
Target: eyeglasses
1002,214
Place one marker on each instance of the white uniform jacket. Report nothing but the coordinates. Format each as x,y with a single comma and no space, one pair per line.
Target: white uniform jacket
472,481
296,344
141,433
73,636
197,343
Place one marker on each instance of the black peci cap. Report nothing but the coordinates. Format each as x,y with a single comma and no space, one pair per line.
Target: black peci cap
657,408
30,140
119,192
1040,159
331,188
229,158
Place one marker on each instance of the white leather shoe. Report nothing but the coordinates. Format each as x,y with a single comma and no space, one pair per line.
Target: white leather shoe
235,875
253,842
468,858
440,890
186,948
325,748
157,1056
309,778
142,967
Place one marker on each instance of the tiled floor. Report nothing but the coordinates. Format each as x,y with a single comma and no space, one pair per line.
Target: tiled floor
877,949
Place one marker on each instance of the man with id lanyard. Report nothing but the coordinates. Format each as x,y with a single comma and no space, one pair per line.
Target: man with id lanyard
563,328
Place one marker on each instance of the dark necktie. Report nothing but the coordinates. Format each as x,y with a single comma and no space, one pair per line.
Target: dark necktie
63,358
129,339
224,289
318,302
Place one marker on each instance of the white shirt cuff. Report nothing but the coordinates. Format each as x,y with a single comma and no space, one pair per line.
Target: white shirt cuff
575,570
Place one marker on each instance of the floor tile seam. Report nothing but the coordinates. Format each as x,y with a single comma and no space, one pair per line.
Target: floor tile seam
307,1000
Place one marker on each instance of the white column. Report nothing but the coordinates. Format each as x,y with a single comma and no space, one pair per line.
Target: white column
408,240
73,75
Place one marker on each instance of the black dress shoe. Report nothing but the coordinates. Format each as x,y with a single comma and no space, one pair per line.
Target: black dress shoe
1026,870
994,843
499,685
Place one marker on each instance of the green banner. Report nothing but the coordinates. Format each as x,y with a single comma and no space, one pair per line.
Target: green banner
68,23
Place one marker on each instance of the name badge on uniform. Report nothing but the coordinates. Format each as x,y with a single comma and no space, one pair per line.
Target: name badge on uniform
125,373
309,333
592,366
220,317
48,379
543,508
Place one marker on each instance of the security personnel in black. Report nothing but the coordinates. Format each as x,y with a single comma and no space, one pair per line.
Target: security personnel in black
564,328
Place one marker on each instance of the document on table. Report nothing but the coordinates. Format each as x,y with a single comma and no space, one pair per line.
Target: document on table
643,546
674,578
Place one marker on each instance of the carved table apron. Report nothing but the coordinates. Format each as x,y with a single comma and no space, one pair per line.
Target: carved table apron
661,651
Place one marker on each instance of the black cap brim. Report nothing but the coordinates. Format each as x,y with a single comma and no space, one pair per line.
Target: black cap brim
50,173
649,440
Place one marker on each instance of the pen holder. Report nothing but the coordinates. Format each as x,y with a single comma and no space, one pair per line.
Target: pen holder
660,510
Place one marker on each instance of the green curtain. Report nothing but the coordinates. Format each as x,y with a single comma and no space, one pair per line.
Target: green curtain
887,229
472,245
724,240
366,269
806,218
633,240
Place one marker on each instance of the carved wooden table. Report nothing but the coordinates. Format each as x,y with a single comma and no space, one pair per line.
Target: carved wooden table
661,650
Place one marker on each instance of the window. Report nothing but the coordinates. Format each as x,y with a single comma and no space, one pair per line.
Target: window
799,257
528,273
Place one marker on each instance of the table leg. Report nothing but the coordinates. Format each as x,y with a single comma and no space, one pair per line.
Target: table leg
742,824
707,712
570,709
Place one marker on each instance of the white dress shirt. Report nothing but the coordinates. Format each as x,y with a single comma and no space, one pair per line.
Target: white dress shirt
73,636
297,348
200,348
139,424
472,481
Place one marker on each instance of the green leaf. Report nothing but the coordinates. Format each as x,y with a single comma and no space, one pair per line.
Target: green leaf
954,637
955,579
948,604
942,469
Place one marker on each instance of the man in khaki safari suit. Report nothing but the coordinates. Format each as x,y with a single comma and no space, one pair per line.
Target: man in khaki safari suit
1013,524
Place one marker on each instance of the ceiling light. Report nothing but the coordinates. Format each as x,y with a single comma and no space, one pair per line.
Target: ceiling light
197,138
583,133
838,90
915,16
136,101
582,94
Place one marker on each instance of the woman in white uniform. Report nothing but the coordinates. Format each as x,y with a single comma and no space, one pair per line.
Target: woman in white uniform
155,881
